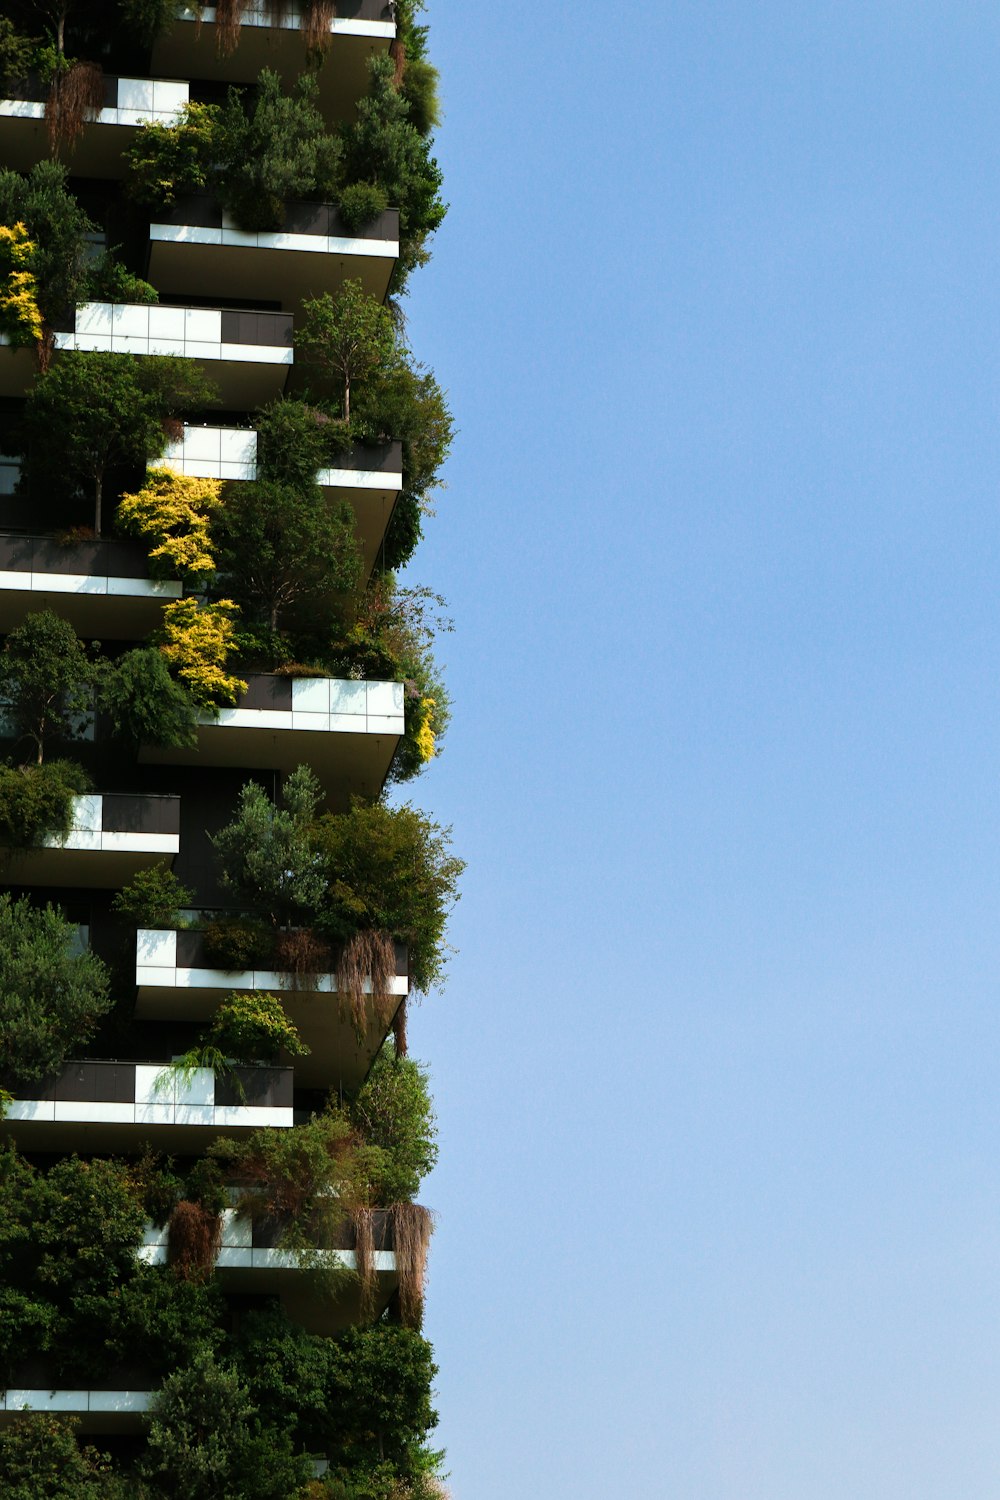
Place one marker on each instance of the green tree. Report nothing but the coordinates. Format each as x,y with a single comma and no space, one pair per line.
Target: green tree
152,898
206,1440
16,53
345,339
46,681
282,546
383,146
40,1459
273,147
145,704
390,869
91,411
267,854
58,228
51,997
394,1113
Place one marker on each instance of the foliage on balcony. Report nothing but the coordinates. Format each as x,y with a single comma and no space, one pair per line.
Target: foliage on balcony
37,801
172,513
51,995
373,869
197,640
152,898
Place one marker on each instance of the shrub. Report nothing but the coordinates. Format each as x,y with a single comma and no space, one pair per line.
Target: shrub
271,148
172,513
394,1113
295,440
109,281
20,318
45,680
362,202
238,944
40,1459
390,869
152,898
58,228
252,1027
144,703
36,801
166,162
50,998
197,640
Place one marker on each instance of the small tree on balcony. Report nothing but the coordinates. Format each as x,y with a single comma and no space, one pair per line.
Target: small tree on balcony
92,411
51,999
46,680
345,339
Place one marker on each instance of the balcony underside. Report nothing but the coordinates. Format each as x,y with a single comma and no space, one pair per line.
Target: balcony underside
90,869
243,381
24,141
182,267
360,30
346,763
121,609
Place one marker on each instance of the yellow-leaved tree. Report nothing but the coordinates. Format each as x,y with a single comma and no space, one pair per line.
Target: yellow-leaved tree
20,318
197,641
172,513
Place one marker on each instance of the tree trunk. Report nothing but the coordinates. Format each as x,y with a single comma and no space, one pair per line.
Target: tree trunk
98,497
347,397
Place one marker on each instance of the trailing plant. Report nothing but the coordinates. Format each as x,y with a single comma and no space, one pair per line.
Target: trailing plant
252,1027
37,801
20,318
145,704
194,1240
197,640
76,93
153,898
412,1226
365,971
172,513
51,997
46,680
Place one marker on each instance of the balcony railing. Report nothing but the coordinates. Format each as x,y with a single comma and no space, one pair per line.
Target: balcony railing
153,1094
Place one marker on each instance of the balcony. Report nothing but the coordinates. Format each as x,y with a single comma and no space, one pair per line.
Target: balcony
361,27
195,248
112,837
96,1106
128,103
249,1262
103,1411
347,731
368,478
246,354
176,981
103,587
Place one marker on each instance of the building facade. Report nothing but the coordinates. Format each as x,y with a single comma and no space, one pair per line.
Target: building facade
216,449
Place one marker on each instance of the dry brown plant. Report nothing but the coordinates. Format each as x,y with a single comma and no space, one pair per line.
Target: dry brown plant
368,955
397,51
228,20
303,955
194,1240
412,1226
364,1258
399,1029
75,97
318,16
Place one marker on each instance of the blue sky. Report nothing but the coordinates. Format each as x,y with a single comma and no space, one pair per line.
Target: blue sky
718,304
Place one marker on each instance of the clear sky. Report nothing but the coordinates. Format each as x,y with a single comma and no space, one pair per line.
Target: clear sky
718,1066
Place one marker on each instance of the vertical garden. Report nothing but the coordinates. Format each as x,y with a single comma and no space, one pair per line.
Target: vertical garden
218,451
